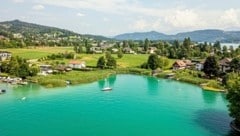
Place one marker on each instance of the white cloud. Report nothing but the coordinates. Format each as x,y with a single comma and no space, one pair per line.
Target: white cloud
183,18
169,19
230,18
38,7
18,1
80,14
140,24
105,19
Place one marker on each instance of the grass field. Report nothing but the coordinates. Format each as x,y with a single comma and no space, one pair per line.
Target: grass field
36,53
128,60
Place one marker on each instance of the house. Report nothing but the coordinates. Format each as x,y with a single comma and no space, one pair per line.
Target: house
199,65
74,64
179,64
45,69
140,50
2,37
225,64
128,50
114,50
4,55
96,50
152,50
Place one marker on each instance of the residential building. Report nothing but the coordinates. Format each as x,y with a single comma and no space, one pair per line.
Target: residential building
128,50
4,55
179,64
225,64
74,64
152,50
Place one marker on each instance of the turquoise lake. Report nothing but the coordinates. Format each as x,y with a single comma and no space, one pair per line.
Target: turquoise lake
137,106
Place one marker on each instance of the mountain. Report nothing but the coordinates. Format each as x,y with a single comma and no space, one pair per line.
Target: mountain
209,35
153,35
24,28
29,30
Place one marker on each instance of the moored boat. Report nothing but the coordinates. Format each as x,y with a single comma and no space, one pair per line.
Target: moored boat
107,89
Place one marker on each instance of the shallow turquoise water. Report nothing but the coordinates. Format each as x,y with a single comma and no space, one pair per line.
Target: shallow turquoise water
137,106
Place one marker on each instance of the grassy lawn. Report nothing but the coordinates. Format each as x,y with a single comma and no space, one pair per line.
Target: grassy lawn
128,60
36,53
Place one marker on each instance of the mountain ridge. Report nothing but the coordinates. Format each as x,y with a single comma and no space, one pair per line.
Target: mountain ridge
209,35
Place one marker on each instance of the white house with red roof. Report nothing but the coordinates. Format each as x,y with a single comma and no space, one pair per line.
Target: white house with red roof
75,64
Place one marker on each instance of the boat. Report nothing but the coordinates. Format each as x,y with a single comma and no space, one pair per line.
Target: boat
107,89
24,98
2,91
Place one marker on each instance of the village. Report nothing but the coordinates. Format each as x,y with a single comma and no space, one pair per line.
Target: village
74,63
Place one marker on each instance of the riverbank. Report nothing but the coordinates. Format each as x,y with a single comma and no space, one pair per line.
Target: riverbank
72,78
193,77
81,77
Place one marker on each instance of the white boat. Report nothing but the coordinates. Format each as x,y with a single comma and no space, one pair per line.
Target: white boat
107,89
24,98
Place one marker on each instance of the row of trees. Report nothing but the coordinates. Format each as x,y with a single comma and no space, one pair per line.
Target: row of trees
185,49
19,67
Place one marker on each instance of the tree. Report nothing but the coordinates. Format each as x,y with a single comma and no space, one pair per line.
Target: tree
108,55
187,43
210,66
111,62
163,62
153,61
235,65
146,44
101,63
13,67
120,54
233,96
33,70
23,70
217,46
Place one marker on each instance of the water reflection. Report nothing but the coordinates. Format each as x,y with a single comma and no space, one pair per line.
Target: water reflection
215,121
209,97
112,80
153,85
26,90
107,82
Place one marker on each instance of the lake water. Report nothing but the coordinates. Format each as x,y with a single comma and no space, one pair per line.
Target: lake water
137,106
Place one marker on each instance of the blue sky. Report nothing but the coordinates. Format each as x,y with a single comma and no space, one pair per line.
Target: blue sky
112,17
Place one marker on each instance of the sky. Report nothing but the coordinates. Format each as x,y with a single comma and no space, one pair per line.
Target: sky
112,17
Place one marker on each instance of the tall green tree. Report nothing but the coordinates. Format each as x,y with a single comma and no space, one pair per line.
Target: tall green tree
111,62
235,65
153,61
233,96
120,54
146,44
211,66
187,43
101,62
163,62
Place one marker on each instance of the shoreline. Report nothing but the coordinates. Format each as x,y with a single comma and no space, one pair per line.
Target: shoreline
52,81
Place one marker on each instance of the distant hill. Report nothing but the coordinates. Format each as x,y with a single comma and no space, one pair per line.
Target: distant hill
199,36
24,28
29,30
153,35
